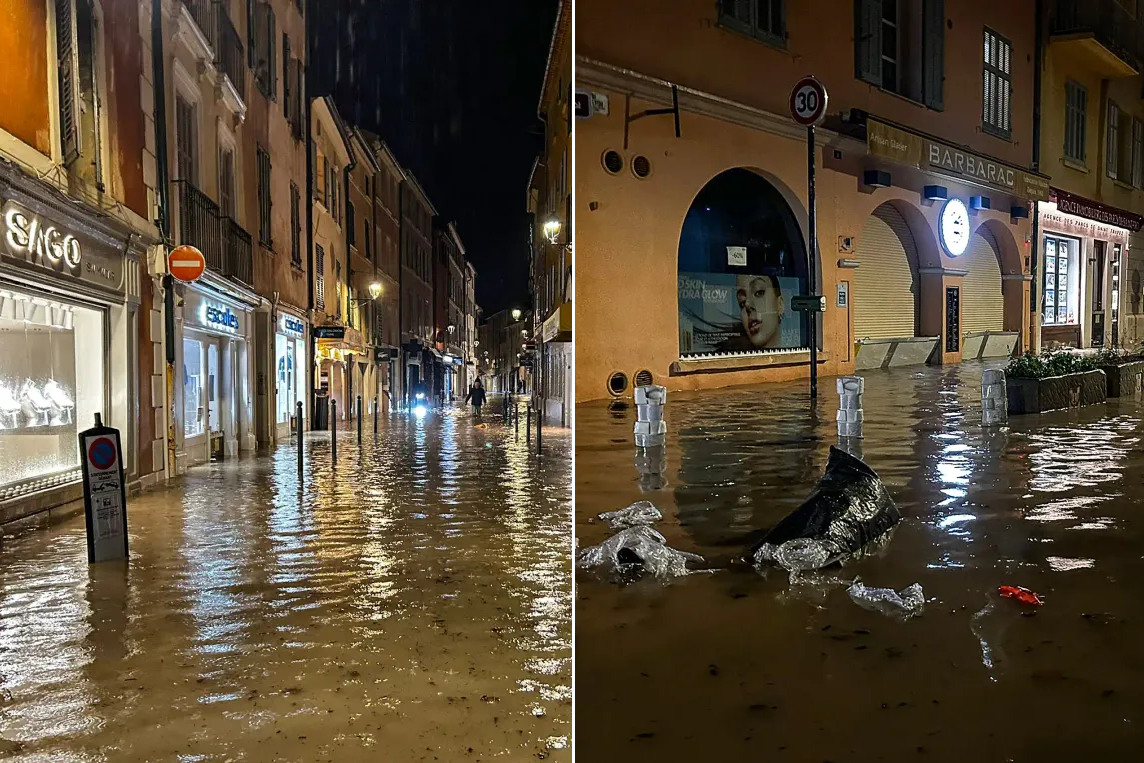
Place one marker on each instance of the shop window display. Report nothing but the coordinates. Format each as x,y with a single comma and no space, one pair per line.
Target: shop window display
1062,291
194,383
52,383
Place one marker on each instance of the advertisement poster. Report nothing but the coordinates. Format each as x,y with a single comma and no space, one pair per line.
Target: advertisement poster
729,312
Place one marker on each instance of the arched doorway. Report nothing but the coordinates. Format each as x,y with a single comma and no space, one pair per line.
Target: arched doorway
982,298
741,258
886,283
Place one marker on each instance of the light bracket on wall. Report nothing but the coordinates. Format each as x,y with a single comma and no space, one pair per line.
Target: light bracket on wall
877,179
1018,212
935,193
979,202
629,117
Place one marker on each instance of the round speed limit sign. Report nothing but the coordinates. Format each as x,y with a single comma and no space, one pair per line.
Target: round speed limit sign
808,101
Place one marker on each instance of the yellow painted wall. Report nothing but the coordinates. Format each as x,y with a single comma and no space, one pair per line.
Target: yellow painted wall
24,42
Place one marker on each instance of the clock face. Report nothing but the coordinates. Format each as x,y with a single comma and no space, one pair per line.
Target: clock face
954,227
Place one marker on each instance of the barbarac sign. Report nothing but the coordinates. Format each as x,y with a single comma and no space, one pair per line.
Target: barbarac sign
1094,210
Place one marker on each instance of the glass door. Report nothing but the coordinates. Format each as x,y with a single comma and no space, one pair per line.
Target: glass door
194,388
212,388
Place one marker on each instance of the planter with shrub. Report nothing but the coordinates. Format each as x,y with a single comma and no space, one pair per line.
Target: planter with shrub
1124,371
1052,381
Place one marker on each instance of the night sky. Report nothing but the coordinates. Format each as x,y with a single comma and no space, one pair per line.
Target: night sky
452,86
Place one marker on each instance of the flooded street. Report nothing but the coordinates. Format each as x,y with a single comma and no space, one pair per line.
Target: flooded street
735,665
412,604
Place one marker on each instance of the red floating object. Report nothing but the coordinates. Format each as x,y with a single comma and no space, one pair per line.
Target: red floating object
1023,595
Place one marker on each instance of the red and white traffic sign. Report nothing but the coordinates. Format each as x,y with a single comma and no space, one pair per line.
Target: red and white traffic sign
186,263
808,101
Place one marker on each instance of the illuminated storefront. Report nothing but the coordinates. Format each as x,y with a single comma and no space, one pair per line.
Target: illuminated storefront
289,371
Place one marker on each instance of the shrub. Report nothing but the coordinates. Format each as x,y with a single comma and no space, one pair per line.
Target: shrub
1030,366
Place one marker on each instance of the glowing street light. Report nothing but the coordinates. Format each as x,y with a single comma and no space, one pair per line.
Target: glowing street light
516,313
552,230
374,290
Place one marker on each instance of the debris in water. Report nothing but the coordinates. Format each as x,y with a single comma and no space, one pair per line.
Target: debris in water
1023,595
635,550
639,513
907,603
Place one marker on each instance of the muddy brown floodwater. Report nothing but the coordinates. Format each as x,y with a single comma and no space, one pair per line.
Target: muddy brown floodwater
414,605
737,666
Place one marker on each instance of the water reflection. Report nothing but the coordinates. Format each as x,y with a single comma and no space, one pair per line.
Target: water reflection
417,598
738,665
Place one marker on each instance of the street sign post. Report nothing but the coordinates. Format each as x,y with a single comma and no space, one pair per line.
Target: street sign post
808,108
186,263
104,493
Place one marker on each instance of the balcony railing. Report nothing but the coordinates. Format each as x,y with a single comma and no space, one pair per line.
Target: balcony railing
205,14
231,53
238,253
199,224
1106,20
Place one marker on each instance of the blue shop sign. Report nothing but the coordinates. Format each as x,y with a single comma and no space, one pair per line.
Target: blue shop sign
290,325
220,318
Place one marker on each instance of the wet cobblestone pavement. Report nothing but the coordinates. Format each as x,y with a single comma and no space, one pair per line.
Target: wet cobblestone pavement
734,665
413,604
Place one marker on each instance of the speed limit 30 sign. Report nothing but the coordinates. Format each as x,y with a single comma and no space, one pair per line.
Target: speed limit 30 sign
808,101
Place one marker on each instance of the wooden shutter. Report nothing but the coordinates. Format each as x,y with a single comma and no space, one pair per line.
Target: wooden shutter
251,35
68,63
868,41
982,301
885,284
287,84
933,53
272,52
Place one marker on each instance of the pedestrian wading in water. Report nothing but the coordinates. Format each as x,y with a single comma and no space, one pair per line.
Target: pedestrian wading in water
476,396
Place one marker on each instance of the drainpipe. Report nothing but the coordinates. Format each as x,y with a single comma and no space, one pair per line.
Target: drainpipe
1034,254
163,179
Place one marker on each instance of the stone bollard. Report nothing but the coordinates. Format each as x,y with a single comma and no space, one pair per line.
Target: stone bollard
850,389
650,429
994,398
651,465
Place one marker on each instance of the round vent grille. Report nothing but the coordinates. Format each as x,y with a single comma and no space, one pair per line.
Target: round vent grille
613,162
644,378
618,383
641,167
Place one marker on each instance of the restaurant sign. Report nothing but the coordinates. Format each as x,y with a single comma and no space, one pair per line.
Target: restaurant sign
906,147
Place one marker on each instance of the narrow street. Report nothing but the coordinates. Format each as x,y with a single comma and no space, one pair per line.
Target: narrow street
412,603
738,665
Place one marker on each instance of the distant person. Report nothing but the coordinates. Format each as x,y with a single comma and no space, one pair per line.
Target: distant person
476,396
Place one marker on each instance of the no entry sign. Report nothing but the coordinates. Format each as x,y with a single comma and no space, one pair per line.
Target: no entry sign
104,493
808,101
187,263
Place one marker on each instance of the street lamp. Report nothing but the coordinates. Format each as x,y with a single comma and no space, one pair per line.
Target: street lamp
552,230
524,333
374,290
516,313
451,328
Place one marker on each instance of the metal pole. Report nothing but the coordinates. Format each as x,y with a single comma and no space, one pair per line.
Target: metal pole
334,429
298,408
538,393
528,428
812,256
516,419
359,419
375,415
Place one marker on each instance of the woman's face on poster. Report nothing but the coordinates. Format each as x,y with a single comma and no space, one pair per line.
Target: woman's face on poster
760,309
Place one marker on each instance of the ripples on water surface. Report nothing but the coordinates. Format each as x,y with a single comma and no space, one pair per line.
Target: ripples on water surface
413,606
736,666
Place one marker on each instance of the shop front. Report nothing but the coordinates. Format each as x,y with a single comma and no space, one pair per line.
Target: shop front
216,400
1084,245
556,375
339,372
69,287
290,366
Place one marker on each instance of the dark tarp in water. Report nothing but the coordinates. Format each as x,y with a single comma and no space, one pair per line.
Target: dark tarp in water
849,508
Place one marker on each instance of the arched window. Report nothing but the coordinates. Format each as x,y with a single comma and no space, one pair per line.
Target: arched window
741,259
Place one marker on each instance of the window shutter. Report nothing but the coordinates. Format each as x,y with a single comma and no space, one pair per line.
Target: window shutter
287,85
933,53
271,52
251,38
69,81
868,40
299,96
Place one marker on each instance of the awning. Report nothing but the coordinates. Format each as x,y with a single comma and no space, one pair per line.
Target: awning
558,326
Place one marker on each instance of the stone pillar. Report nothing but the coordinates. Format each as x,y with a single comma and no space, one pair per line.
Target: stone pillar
650,429
994,399
850,416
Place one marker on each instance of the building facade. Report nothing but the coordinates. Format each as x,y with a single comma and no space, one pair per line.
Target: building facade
363,282
420,359
387,239
692,245
78,195
550,211
336,343
1088,272
448,297
472,317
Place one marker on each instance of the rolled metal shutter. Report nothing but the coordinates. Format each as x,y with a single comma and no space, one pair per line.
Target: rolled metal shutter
886,281
982,301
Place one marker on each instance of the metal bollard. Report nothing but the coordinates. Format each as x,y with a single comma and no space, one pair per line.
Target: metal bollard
850,415
375,415
516,419
539,427
334,429
359,419
650,430
994,398
528,428
301,429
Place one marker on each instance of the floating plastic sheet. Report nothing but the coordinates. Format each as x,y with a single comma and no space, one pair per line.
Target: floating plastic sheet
849,510
639,513
635,551
905,603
